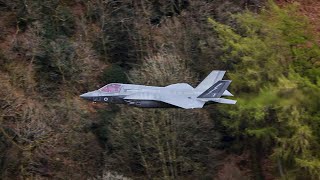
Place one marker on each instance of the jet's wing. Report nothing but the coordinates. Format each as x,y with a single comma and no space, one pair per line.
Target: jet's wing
179,101
182,101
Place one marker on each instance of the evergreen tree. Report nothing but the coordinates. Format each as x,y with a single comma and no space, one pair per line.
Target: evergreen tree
272,58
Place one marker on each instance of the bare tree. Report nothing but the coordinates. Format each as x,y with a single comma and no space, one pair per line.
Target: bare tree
168,143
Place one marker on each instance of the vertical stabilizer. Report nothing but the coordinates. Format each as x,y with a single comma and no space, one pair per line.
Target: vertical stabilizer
210,80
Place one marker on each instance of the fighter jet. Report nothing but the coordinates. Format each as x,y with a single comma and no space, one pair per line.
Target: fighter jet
180,95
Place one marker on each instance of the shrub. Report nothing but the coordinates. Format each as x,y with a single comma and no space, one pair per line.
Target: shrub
57,21
55,65
114,74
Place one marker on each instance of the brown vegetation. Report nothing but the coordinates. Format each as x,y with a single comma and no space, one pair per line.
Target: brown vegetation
52,51
309,8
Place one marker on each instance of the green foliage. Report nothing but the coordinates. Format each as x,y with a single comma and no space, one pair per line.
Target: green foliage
55,65
114,74
117,42
312,165
51,50
253,57
55,18
161,143
58,22
274,71
101,129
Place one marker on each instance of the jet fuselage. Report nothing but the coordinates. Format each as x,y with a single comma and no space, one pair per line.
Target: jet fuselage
180,95
117,97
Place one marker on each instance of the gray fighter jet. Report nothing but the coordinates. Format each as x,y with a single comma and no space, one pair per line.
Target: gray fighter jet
180,95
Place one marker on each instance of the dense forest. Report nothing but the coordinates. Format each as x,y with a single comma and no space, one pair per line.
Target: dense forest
51,51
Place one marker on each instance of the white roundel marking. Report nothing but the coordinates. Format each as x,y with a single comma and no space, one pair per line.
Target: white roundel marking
105,99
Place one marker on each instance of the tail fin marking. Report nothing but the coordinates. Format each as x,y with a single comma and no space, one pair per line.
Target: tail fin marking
216,90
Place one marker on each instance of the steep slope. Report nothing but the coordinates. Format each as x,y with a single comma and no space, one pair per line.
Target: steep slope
309,8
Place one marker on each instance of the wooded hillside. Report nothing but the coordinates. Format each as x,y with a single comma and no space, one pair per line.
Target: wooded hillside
52,51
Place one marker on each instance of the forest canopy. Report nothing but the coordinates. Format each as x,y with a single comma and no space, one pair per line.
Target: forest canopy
52,51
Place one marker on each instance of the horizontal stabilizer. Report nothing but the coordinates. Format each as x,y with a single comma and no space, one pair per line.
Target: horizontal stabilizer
227,93
218,100
225,101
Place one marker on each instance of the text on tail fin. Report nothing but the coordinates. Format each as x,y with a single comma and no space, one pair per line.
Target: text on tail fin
216,90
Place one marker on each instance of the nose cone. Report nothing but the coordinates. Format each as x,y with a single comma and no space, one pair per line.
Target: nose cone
91,96
86,96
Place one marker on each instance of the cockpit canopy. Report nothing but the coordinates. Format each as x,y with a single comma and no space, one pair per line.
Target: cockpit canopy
111,88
